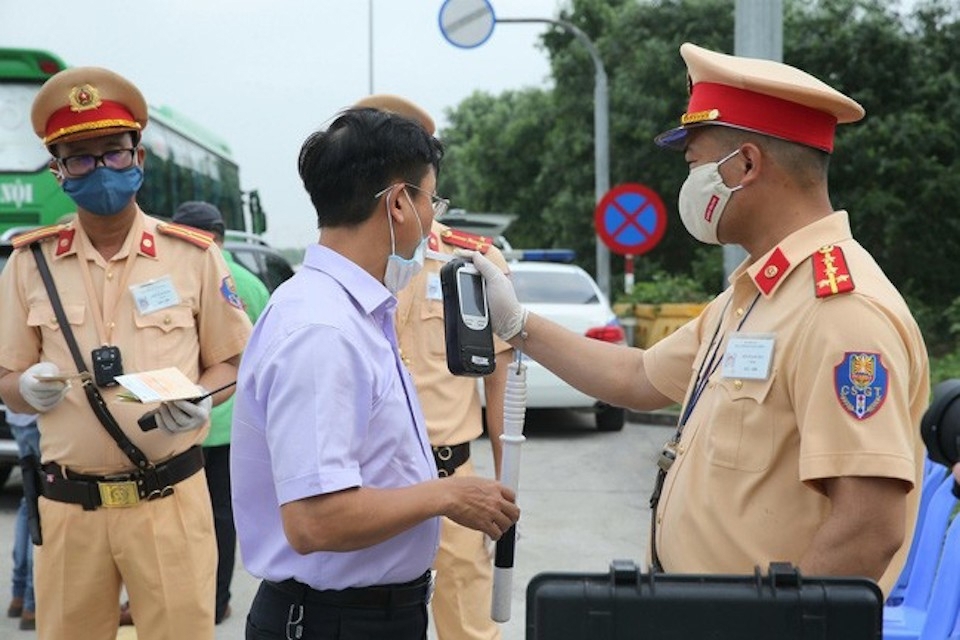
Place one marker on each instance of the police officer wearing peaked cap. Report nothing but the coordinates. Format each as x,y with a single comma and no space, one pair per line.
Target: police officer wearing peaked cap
802,383
139,295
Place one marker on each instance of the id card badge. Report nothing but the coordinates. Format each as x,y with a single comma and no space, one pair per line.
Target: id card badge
748,356
154,295
434,292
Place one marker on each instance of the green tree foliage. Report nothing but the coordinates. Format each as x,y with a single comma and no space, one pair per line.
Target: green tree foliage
532,152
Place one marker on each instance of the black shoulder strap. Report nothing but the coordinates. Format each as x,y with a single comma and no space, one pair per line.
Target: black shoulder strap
96,400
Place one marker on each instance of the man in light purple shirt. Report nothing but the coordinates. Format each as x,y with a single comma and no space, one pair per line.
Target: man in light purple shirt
335,490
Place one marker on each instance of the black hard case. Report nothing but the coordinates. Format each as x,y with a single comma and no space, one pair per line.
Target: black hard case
627,604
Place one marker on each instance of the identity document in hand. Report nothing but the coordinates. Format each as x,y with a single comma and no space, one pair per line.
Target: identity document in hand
160,385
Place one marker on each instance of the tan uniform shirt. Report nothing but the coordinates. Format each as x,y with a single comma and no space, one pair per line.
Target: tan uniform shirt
451,404
204,328
744,488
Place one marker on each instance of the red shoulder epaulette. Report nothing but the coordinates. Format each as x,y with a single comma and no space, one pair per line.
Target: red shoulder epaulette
830,273
465,240
194,236
43,233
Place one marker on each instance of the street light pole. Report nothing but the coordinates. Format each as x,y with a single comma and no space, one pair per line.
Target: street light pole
601,133
370,43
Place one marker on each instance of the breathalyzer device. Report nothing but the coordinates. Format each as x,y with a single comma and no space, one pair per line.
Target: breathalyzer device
466,320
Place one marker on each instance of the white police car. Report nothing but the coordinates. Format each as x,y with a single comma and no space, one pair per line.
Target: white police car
569,296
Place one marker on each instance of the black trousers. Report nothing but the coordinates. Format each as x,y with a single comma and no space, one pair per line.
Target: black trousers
277,615
217,466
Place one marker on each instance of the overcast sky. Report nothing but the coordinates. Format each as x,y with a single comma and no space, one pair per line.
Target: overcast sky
263,74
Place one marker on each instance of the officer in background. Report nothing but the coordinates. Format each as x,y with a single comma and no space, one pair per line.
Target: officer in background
138,295
451,406
802,383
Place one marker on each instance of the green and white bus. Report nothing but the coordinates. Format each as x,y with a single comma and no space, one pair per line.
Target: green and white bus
184,161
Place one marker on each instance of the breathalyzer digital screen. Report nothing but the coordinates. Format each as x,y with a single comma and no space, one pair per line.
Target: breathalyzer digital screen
471,294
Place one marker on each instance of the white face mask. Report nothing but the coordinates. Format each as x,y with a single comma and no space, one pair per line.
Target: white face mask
703,198
400,271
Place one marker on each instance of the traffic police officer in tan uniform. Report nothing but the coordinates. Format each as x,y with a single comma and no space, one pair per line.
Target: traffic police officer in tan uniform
802,384
451,406
150,295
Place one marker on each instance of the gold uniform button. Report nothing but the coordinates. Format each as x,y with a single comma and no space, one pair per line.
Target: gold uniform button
738,384
771,271
167,320
109,275
680,450
739,311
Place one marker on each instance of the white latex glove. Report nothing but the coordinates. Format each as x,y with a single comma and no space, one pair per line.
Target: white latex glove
507,315
42,395
178,416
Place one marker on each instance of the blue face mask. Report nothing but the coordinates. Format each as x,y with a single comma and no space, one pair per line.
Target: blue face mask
104,191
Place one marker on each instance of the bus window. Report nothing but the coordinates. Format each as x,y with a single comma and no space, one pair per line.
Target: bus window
20,150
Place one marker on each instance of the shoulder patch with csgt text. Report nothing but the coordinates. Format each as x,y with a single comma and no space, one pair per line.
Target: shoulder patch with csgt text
861,381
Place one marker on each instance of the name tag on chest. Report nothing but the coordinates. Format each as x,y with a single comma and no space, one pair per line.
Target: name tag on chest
748,356
155,295
434,292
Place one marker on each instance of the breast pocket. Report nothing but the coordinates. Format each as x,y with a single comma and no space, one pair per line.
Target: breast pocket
742,428
163,331
42,316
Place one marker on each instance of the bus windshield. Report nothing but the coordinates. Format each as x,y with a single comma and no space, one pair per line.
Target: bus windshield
20,149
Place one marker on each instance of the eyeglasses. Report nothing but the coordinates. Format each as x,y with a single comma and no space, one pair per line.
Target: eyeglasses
82,165
440,205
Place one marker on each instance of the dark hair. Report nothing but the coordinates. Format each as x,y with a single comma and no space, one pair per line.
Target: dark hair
362,152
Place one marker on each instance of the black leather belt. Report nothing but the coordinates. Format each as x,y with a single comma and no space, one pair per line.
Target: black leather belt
450,457
376,597
121,490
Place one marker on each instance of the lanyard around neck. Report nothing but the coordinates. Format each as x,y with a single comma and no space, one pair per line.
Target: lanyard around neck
711,361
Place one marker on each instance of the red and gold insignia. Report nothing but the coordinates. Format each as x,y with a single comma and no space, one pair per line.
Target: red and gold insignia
830,273
65,240
43,233
195,237
148,246
772,271
464,240
84,98
699,116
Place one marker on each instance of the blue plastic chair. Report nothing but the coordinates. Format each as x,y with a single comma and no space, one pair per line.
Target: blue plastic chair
944,602
905,621
955,635
933,475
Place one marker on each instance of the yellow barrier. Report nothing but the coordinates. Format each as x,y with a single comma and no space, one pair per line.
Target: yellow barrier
656,321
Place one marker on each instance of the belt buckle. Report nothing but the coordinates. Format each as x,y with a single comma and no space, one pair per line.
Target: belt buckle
118,494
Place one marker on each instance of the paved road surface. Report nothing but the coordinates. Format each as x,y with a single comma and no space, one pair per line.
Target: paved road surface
583,494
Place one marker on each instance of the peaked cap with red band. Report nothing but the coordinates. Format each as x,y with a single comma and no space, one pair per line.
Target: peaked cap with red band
87,102
764,96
